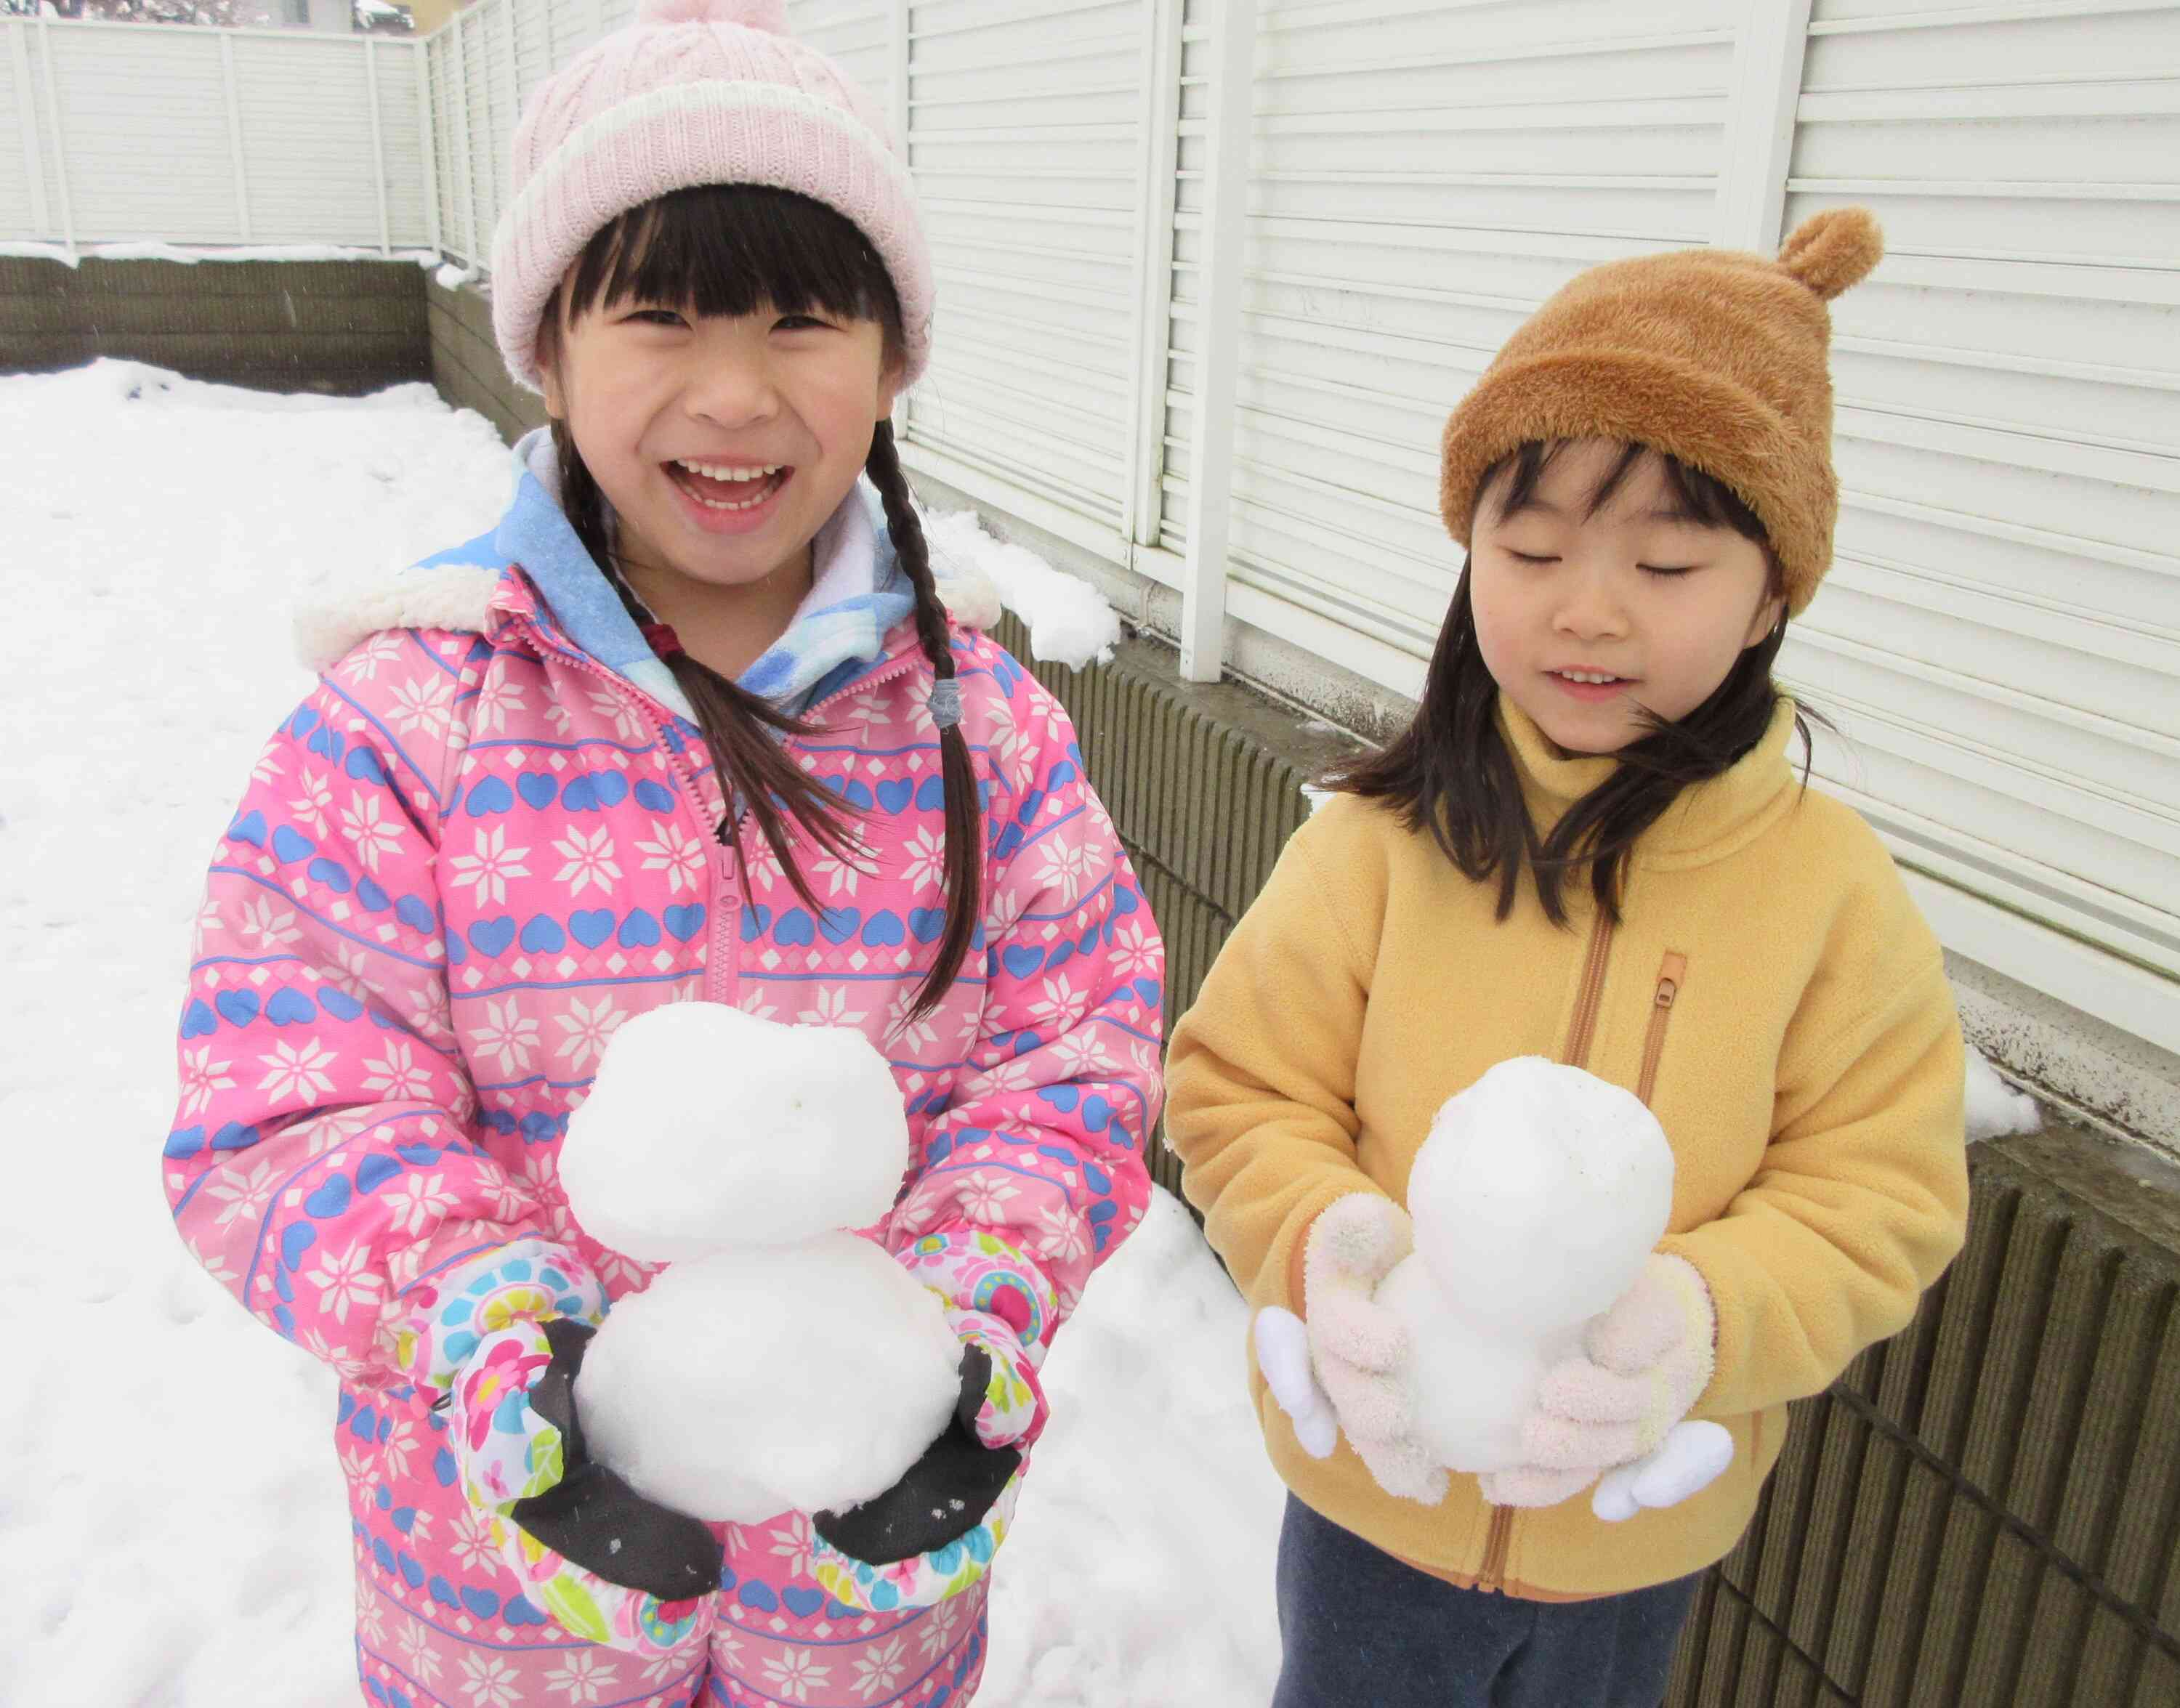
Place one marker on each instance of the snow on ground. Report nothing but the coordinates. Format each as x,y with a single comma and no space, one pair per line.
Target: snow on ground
172,1531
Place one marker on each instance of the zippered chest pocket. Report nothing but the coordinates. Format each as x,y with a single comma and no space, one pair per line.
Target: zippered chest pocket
1672,974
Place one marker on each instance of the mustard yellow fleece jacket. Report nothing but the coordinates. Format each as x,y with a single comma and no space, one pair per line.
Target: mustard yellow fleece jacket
1771,991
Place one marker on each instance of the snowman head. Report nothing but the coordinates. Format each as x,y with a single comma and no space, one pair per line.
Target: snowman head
708,1129
1536,1196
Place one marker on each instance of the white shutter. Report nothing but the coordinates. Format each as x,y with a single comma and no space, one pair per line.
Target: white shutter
1023,139
2000,637
1422,177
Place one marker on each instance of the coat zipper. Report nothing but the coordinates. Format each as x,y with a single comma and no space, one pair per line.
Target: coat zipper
1589,998
715,840
1670,976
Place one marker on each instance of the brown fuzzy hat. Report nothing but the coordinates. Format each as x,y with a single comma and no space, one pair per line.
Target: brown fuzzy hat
1713,356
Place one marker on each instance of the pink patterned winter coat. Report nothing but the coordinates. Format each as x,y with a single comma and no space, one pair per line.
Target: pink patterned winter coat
476,848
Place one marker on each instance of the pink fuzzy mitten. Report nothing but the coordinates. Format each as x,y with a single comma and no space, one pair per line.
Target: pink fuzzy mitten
1358,1348
1649,1358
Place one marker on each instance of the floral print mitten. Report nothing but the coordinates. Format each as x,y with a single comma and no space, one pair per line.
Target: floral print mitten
497,1342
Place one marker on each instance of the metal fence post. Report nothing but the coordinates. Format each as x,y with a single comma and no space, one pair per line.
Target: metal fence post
60,142
461,115
512,90
378,144
26,116
1226,207
428,141
1143,503
1768,50
235,135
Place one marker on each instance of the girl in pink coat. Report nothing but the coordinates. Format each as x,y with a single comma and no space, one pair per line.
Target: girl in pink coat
693,724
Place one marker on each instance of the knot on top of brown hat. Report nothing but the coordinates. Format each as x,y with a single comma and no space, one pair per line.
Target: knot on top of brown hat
1834,250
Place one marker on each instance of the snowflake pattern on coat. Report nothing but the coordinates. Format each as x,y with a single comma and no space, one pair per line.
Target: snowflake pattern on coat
462,863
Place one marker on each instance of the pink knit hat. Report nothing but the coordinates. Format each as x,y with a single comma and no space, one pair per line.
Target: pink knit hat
693,92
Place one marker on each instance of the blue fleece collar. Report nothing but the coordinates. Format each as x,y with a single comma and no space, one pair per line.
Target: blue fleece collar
858,594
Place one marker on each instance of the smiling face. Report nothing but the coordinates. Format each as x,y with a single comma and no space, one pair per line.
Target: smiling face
1589,611
724,442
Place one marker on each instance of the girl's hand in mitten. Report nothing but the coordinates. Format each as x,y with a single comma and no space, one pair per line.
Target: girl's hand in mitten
1359,1348
497,1342
1648,1361
933,1533
609,1564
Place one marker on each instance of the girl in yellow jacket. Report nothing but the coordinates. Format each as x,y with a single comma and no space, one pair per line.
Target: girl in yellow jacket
1591,844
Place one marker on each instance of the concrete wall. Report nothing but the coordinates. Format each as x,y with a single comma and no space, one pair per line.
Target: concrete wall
345,327
466,364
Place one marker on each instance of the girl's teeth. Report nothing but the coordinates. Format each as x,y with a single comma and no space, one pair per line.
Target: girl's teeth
704,482
723,471
1587,676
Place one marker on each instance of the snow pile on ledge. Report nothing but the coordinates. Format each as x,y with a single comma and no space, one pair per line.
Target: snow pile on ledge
1068,619
1994,1107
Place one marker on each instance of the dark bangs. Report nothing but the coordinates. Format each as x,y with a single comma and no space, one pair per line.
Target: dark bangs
1691,494
731,248
1450,776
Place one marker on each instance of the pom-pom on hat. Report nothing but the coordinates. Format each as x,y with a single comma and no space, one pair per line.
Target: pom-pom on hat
1718,357
696,92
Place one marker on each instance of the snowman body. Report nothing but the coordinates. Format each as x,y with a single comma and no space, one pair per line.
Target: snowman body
1472,1385
1536,1199
779,1363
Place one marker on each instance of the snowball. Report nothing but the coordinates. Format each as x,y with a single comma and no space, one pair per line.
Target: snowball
739,1386
708,1128
1536,1196
1538,1192
1995,1108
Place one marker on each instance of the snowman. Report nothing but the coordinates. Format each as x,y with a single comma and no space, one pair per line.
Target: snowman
1536,1198
780,1363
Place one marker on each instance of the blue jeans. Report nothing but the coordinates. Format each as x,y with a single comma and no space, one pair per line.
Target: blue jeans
1359,1627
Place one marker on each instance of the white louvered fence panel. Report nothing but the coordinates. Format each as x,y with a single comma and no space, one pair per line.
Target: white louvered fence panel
136,133
2001,635
143,115
1024,139
308,146
1421,176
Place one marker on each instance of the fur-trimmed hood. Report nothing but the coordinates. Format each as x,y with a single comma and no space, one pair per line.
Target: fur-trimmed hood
858,597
